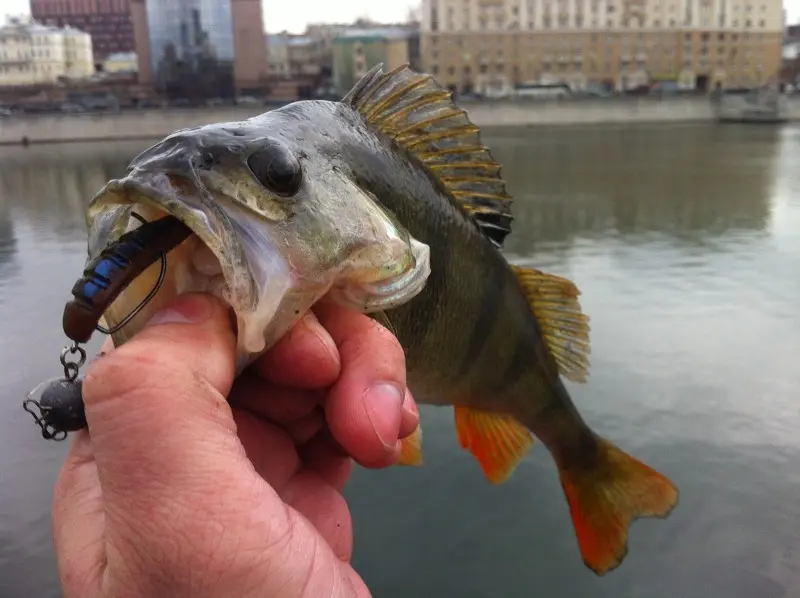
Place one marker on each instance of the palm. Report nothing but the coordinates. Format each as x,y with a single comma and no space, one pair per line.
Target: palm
291,449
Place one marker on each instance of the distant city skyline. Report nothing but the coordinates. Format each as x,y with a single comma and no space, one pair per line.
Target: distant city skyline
294,16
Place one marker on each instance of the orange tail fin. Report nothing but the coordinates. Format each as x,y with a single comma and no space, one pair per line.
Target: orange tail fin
606,498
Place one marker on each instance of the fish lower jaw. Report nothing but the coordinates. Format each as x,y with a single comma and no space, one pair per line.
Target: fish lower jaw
194,268
202,273
189,269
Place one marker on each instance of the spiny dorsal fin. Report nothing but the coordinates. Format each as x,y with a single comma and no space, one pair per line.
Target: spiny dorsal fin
554,302
420,116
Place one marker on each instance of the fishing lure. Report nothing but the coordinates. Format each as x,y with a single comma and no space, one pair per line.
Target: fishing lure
60,401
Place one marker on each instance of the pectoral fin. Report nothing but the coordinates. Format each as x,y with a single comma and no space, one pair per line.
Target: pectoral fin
411,449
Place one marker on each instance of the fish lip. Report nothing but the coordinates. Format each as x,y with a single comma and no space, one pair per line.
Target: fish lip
190,202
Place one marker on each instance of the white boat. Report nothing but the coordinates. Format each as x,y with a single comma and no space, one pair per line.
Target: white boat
760,105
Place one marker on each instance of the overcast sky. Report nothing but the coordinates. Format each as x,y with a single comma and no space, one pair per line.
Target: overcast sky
294,14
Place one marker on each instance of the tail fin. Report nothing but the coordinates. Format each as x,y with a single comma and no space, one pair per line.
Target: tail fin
606,498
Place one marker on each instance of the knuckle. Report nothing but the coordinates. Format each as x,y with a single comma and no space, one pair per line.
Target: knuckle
374,341
128,369
388,340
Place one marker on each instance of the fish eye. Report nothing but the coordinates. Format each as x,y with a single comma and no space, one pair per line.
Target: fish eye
277,169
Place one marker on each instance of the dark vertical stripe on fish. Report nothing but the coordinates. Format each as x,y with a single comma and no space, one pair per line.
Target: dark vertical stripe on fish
432,301
487,310
522,361
419,319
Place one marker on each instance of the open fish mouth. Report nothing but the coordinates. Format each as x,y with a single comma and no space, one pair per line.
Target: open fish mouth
216,258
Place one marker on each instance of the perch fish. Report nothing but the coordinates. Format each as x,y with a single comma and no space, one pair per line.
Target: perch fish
387,202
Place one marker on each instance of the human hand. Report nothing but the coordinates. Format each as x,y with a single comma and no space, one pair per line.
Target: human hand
178,492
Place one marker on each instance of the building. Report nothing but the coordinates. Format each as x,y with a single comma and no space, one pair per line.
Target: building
303,54
311,54
36,54
790,56
414,58
121,62
323,35
107,21
291,55
492,46
278,55
357,50
200,48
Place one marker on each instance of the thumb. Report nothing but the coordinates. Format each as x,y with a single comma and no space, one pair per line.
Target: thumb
161,429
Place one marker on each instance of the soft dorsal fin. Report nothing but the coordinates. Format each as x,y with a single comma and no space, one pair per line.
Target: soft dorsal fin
554,303
419,115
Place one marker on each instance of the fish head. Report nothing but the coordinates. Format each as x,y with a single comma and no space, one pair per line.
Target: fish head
276,225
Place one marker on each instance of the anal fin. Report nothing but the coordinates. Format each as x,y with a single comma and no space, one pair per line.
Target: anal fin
554,303
411,449
498,441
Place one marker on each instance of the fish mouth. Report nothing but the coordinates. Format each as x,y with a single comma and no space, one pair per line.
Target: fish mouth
217,258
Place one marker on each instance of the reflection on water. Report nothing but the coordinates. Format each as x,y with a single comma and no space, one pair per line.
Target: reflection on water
8,251
567,187
53,188
685,242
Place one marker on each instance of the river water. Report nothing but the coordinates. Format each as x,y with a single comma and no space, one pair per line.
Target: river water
685,241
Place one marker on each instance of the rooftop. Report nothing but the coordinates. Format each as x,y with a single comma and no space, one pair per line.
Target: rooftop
15,26
122,57
373,33
288,39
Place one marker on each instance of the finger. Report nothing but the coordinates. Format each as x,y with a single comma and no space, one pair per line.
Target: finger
364,406
304,429
325,457
106,347
161,429
325,509
270,449
306,357
77,518
280,404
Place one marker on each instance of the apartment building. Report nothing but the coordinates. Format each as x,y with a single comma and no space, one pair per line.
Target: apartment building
107,21
491,46
359,49
36,54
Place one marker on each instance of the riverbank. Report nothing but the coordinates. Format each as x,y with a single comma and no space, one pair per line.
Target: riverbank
154,124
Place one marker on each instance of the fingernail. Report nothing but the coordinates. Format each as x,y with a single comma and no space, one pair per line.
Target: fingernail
409,406
188,309
382,402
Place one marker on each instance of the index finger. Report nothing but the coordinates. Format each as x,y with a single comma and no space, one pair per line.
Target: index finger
305,357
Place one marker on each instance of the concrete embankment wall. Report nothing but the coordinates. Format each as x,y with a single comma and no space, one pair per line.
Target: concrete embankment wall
153,124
